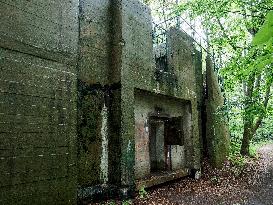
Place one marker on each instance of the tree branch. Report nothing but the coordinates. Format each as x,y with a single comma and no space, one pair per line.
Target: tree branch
261,116
225,35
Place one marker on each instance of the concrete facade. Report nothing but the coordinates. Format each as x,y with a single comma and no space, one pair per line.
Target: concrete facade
38,102
84,99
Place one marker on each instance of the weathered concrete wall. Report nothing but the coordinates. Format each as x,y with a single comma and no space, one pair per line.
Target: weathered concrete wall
94,41
105,77
217,132
178,157
185,63
93,70
137,58
200,90
29,28
99,116
38,101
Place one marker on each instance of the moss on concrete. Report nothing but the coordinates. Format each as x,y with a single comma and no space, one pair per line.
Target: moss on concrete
89,137
217,132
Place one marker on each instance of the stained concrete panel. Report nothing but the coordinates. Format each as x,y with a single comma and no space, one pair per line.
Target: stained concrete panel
94,41
178,157
217,132
159,146
38,101
94,66
46,28
142,155
37,129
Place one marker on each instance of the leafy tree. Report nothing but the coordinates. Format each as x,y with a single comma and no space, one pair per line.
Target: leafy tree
241,31
258,64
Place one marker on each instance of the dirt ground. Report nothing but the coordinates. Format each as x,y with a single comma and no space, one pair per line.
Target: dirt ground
251,184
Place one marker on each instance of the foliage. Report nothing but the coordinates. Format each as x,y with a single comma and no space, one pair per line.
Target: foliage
238,163
237,160
215,179
128,202
265,34
266,131
257,60
241,31
143,193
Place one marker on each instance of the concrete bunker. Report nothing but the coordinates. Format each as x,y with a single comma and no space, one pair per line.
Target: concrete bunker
88,109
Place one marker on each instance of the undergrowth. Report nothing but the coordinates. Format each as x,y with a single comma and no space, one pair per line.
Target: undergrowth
237,160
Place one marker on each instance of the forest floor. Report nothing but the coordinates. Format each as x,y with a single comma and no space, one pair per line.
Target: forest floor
249,183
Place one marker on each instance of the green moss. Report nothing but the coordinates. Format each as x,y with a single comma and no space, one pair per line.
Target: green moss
89,147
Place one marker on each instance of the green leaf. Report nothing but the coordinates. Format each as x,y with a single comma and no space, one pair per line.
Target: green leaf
266,31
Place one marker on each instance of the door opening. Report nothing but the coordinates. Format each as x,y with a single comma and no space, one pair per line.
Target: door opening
164,133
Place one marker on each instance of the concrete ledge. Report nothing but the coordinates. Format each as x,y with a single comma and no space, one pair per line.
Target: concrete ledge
161,177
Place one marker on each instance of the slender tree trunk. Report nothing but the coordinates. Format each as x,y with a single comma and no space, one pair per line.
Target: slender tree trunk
248,118
247,136
251,126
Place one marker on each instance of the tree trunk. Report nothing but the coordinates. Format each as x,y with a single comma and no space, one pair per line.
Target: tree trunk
251,126
247,136
248,118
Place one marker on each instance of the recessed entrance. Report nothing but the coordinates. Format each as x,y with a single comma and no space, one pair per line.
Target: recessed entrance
165,133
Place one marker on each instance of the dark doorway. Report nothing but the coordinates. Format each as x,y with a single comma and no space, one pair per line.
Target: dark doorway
164,132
